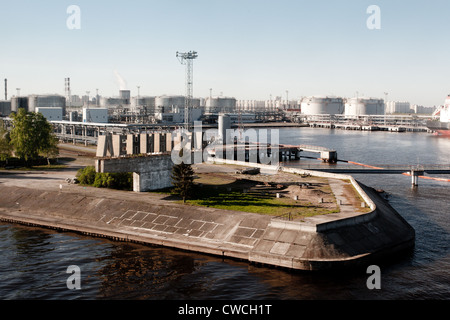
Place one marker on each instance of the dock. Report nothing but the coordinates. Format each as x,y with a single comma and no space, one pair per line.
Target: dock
251,152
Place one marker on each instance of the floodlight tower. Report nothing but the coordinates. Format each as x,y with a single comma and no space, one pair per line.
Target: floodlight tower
187,59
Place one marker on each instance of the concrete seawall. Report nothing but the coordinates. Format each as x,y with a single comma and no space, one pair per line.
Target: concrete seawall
318,243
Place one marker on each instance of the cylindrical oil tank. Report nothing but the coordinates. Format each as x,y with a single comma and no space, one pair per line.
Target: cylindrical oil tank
169,102
322,105
224,125
220,104
5,108
19,102
364,106
125,94
46,101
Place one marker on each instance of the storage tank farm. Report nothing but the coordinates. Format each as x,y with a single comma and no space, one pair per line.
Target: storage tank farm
317,105
364,106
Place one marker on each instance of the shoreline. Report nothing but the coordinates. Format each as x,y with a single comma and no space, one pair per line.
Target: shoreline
327,242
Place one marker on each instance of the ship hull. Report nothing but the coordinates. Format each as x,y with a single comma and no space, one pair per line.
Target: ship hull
442,128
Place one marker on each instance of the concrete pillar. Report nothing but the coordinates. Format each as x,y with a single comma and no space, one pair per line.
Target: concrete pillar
157,142
119,146
143,140
133,144
169,144
415,177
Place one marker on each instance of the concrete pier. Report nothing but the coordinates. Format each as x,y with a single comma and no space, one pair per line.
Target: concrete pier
326,242
415,173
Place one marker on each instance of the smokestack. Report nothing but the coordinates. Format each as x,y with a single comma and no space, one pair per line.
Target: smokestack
6,89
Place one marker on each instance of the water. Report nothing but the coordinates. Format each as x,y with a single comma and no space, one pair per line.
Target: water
33,261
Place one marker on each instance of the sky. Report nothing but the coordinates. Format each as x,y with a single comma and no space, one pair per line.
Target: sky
247,49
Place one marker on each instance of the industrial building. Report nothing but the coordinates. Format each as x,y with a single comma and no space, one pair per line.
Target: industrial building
364,106
95,115
5,108
315,105
51,114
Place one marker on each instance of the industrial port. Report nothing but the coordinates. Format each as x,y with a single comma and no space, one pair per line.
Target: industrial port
83,119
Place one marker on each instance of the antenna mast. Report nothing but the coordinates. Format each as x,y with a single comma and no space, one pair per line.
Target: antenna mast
188,60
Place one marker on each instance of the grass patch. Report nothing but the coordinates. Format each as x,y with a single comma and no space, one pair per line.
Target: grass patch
38,168
266,203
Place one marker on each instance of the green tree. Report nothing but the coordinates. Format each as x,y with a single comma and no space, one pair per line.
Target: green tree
32,135
183,180
5,143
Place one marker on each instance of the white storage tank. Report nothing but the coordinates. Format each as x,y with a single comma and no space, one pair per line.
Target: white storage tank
125,95
322,105
364,106
46,101
220,104
166,103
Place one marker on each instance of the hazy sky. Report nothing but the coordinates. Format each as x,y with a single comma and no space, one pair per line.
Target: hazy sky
248,49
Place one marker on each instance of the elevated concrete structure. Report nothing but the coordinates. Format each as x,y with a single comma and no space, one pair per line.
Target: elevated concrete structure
151,172
118,145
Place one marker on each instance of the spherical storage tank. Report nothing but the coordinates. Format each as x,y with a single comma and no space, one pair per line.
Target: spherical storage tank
364,106
322,105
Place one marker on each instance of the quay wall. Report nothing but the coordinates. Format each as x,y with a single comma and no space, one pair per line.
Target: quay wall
326,242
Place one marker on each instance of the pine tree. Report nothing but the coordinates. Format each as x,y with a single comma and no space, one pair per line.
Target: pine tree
183,177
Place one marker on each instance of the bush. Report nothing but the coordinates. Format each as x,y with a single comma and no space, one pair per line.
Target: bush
86,176
119,181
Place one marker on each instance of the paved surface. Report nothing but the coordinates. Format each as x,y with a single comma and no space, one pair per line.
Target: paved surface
46,199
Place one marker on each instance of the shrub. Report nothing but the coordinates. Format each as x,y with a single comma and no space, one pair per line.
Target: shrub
120,181
86,176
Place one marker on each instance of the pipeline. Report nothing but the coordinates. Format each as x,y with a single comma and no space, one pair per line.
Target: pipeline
364,165
428,178
405,173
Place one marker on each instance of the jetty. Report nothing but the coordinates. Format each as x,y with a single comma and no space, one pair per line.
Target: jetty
346,239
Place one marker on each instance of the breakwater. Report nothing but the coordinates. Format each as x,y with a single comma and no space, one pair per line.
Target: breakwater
325,242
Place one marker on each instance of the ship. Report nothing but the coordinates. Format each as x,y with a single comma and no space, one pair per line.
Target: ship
442,124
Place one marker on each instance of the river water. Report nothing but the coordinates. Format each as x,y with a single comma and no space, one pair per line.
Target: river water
34,261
